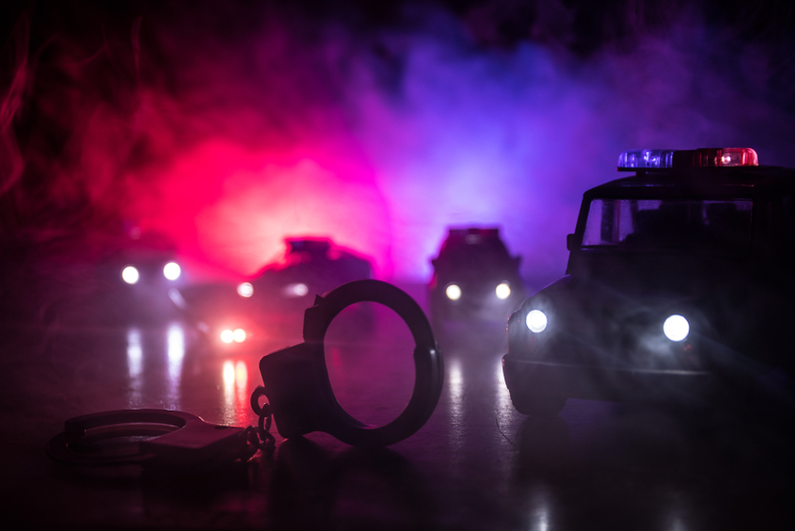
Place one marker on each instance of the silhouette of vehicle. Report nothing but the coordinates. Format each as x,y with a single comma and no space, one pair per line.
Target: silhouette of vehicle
270,306
474,278
133,276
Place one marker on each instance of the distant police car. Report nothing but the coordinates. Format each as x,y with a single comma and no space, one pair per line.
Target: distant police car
147,262
270,306
311,266
474,277
136,275
679,286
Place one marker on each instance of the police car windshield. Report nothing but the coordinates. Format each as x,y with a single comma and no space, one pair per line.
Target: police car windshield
653,225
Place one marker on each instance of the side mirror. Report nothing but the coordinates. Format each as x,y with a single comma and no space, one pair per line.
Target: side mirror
570,242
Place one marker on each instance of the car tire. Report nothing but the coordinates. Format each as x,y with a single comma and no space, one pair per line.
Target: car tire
538,405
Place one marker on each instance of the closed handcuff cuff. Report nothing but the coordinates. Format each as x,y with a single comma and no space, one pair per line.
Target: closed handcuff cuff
300,400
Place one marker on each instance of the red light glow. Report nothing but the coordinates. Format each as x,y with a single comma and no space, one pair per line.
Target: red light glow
249,201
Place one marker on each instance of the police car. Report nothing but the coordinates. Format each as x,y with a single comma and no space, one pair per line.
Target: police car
136,274
270,306
311,266
679,286
474,277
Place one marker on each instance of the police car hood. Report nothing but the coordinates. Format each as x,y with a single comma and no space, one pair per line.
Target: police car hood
659,275
619,292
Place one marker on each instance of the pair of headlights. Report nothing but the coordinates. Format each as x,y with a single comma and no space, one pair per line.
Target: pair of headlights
296,289
675,327
502,291
131,275
238,335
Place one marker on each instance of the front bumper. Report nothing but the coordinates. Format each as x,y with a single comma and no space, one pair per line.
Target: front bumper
485,307
528,377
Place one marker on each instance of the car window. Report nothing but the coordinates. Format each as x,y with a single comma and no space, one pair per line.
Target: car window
722,226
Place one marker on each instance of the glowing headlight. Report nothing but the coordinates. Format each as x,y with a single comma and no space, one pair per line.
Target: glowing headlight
536,321
245,290
130,275
503,291
298,289
453,292
227,336
676,328
172,271
239,335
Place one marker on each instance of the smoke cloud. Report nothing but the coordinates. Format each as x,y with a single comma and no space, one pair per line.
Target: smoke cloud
230,127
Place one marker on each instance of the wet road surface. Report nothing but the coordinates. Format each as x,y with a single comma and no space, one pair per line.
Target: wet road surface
476,464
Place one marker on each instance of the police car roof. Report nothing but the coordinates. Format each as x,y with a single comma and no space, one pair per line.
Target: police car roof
698,181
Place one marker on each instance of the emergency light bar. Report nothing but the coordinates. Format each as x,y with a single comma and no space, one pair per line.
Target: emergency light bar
691,158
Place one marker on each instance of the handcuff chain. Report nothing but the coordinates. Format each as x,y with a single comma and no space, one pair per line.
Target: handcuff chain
261,437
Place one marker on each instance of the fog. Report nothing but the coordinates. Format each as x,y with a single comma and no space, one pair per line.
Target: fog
231,127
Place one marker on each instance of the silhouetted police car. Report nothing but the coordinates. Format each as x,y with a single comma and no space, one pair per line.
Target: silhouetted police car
311,266
474,277
679,286
270,306
146,261
136,274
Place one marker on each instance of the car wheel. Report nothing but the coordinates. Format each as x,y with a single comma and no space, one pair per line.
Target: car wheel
538,405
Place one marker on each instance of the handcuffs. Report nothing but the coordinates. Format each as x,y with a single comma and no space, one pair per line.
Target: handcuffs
164,438
296,384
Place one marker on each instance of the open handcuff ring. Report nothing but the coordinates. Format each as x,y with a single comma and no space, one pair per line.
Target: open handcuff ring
296,381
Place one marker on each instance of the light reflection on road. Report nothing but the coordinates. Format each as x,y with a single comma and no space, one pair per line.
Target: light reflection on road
455,388
176,353
236,394
134,364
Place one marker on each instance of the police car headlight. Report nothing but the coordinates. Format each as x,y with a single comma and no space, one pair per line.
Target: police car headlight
536,321
294,290
453,292
172,271
676,328
503,291
130,275
239,335
227,336
245,290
